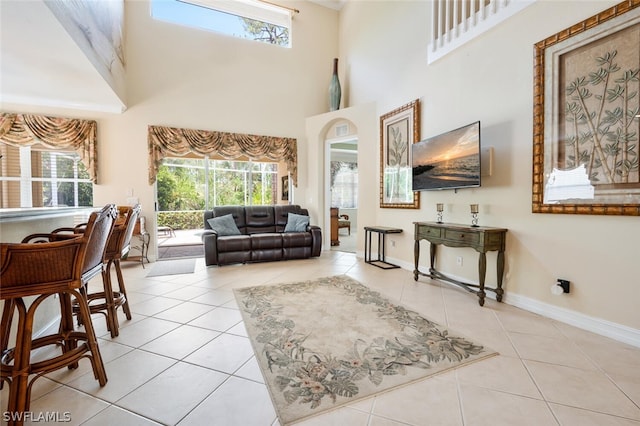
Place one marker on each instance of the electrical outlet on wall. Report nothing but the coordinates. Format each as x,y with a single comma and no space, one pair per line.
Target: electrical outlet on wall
459,260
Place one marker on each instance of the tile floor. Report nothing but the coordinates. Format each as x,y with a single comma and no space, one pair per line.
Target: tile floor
185,359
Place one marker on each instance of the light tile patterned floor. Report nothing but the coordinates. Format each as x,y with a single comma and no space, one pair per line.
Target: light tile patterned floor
185,359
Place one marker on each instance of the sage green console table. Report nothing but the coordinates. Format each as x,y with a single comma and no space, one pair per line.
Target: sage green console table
480,238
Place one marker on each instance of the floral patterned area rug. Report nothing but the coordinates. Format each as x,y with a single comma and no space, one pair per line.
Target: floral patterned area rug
324,343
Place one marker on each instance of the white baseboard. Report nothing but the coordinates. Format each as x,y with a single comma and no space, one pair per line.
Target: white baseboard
612,330
615,331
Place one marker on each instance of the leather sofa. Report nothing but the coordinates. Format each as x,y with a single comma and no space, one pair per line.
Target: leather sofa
261,236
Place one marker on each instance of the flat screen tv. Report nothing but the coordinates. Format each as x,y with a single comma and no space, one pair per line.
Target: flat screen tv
450,160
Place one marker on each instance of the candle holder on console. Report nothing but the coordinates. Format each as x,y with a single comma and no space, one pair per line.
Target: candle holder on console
474,215
439,209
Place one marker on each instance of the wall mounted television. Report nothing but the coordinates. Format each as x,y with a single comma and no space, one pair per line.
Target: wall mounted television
450,160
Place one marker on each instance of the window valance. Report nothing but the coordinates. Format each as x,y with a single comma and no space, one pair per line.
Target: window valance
172,141
55,133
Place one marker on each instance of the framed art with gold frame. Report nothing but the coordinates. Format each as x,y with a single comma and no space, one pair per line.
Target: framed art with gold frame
586,116
398,130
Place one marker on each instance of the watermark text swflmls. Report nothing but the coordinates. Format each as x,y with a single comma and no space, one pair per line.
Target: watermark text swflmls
35,417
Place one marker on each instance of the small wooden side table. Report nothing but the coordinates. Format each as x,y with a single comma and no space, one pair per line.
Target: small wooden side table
382,232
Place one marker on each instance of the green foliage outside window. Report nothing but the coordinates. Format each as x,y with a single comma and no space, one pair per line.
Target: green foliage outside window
267,33
63,174
182,192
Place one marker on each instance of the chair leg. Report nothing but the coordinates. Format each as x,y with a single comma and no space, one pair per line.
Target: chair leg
19,389
99,371
122,289
7,319
110,305
66,326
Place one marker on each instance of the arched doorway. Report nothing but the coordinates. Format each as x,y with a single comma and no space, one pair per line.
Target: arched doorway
342,196
320,130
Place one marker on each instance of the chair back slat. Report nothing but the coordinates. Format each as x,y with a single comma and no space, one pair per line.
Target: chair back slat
131,224
97,234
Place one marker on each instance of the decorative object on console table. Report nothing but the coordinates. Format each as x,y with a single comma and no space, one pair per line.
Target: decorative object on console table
588,166
382,232
399,129
335,91
480,238
439,209
474,215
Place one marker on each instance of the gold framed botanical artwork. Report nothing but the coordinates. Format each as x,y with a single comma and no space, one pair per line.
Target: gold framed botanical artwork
586,116
398,130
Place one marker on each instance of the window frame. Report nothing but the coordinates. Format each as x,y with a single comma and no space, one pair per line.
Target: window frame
26,180
255,10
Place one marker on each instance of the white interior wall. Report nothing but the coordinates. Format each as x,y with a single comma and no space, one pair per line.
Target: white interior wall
383,47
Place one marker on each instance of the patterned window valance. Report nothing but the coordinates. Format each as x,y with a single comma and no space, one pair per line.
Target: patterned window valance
166,141
55,133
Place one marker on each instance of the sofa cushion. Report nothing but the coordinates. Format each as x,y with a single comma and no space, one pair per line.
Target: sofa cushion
234,243
296,239
266,241
296,223
281,213
224,225
236,211
259,219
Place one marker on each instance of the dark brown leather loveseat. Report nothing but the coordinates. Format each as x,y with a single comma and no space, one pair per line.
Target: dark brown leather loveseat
260,235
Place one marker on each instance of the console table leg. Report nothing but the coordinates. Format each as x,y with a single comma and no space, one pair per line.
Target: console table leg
482,271
367,246
432,257
416,257
499,290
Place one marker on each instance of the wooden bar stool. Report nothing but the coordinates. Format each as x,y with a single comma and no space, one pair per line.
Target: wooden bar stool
107,301
41,271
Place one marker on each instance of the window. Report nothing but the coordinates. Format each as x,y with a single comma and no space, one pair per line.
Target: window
344,188
199,184
33,176
250,19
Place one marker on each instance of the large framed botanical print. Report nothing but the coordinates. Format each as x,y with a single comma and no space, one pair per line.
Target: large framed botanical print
399,129
586,124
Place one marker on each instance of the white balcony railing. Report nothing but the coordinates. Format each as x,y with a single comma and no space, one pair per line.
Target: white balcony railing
455,22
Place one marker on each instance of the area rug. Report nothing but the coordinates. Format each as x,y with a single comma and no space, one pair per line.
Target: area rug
324,343
177,251
172,267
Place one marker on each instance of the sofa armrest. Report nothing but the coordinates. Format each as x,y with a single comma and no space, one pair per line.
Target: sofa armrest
316,237
210,243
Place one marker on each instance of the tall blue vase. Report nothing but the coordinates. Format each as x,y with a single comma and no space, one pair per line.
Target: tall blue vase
335,92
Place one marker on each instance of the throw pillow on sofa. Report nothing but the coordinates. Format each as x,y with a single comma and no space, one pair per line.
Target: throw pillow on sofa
224,225
296,223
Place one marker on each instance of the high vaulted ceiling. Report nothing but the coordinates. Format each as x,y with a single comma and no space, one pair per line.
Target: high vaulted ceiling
40,64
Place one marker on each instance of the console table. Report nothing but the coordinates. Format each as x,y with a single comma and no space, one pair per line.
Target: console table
382,232
480,238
